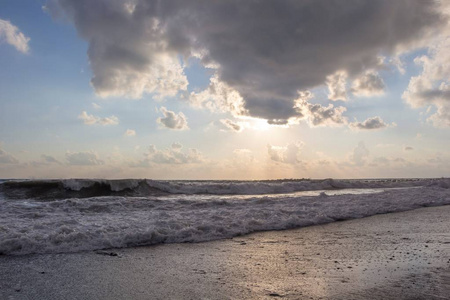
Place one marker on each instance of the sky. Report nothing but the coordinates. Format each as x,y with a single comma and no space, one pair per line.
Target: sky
192,89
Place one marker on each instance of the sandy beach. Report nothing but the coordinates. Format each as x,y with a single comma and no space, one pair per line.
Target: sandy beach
393,256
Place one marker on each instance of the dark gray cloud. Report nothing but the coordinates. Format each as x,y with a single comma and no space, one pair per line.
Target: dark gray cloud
265,50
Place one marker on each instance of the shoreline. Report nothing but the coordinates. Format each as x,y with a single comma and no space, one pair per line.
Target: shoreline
403,255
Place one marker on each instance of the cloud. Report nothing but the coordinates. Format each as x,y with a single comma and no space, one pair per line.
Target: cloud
316,114
408,148
49,159
172,155
83,158
229,125
337,86
368,84
373,123
359,154
264,50
172,120
130,132
432,86
218,97
13,36
94,120
176,146
6,158
46,160
288,154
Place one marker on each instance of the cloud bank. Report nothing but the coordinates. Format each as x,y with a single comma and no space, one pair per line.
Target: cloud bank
263,51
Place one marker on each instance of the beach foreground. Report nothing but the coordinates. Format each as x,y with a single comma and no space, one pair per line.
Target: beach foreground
393,256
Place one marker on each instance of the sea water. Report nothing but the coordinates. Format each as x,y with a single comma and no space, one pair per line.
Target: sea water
56,216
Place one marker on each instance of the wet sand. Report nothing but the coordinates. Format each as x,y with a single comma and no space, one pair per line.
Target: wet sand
394,256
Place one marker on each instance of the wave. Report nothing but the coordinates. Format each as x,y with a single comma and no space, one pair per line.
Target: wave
86,188
71,225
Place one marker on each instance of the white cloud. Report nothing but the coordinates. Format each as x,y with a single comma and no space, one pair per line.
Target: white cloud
136,48
368,84
289,154
130,132
6,158
13,36
337,86
318,115
218,97
88,158
172,120
432,86
373,123
94,120
96,106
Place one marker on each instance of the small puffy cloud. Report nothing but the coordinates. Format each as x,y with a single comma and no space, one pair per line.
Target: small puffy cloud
130,132
359,154
318,115
230,125
88,158
95,105
373,123
368,84
173,120
337,86
6,158
94,120
408,148
289,154
12,36
173,155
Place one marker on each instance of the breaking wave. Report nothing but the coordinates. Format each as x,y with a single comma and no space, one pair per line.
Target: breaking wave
115,214
86,188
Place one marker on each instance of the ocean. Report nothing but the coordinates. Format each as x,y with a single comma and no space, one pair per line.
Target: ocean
60,216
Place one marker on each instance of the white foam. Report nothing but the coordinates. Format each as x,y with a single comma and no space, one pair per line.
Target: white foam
71,225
